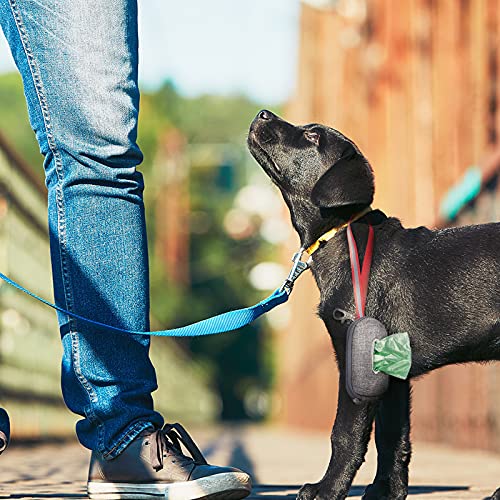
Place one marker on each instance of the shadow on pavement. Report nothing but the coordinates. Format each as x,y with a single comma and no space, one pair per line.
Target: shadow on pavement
260,491
277,491
421,490
241,459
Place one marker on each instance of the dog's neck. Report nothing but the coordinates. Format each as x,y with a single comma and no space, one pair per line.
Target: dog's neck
331,261
311,222
328,235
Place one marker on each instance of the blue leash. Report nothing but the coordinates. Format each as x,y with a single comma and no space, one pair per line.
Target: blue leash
221,323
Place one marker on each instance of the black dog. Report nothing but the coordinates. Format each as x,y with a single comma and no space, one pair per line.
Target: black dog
442,287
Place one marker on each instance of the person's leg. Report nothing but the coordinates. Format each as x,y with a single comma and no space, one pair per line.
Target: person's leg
78,60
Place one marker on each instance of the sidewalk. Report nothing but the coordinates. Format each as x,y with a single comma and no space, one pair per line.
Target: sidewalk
279,460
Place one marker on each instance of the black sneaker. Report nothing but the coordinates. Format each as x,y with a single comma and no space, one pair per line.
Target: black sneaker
153,465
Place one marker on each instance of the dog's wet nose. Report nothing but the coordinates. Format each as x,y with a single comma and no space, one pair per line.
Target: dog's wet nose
265,114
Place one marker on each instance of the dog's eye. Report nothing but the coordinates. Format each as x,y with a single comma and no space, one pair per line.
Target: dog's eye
312,137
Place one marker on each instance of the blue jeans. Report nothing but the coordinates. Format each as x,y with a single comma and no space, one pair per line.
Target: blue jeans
78,62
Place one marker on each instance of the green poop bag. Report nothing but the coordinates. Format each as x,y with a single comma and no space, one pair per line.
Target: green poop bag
392,355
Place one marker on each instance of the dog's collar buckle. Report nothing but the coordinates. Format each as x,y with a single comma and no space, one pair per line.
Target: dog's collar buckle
332,232
298,267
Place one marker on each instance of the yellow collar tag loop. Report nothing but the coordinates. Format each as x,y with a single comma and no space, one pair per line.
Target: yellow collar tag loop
330,234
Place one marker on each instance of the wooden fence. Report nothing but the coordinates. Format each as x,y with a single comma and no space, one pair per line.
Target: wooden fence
416,84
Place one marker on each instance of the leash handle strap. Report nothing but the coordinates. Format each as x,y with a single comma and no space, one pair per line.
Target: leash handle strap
222,323
360,276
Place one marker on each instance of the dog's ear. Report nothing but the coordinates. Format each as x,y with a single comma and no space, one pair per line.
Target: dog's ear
349,181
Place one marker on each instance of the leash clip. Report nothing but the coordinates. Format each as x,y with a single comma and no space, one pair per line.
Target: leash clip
298,268
342,316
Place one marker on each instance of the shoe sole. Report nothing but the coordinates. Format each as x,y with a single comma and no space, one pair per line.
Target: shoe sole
224,486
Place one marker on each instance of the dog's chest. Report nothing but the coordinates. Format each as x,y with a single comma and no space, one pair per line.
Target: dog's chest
333,279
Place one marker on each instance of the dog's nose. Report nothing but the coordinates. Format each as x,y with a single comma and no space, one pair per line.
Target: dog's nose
265,115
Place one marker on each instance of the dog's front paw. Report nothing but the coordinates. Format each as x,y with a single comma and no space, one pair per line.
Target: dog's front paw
381,490
308,491
377,491
319,491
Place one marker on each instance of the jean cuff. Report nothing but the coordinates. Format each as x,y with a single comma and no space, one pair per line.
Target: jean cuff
126,438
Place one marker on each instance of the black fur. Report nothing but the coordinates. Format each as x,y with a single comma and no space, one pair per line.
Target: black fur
442,287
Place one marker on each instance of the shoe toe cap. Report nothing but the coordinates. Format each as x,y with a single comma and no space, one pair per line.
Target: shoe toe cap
210,470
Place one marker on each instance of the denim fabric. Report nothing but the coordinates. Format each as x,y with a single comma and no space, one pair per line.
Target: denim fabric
78,61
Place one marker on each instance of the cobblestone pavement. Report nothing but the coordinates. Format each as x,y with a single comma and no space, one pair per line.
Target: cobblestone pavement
279,461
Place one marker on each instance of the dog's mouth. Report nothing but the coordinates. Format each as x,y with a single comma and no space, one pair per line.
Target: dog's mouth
269,160
263,157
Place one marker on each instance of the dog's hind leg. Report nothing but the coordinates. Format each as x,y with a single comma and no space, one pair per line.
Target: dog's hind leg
349,439
392,436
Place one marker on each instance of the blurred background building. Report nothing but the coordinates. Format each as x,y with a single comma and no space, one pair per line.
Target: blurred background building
414,83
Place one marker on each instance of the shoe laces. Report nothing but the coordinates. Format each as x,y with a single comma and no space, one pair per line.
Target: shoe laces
168,440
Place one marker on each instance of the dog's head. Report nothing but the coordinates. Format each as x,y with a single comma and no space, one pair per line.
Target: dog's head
322,175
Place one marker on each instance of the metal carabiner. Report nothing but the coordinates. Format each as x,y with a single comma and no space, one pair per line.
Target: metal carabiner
297,269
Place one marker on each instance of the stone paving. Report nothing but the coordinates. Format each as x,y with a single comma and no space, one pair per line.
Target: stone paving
279,460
